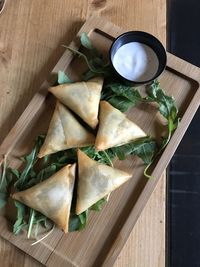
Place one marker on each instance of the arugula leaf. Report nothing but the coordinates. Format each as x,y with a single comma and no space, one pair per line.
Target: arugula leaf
30,161
99,205
94,56
26,179
121,96
3,183
87,61
85,41
20,221
3,199
78,222
88,75
167,108
42,220
63,78
74,223
83,217
41,176
15,172
5,180
68,156
104,157
31,222
145,148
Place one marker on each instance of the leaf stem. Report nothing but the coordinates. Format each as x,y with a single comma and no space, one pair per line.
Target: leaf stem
156,155
32,215
36,242
108,158
4,170
85,58
145,171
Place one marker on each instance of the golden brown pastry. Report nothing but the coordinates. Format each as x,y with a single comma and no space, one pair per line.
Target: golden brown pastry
114,128
82,98
52,197
95,181
64,132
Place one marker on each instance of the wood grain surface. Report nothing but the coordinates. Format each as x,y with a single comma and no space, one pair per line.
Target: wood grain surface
31,34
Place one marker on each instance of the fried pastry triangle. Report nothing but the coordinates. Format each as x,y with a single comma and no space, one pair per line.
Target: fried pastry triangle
115,128
82,98
52,197
64,132
95,181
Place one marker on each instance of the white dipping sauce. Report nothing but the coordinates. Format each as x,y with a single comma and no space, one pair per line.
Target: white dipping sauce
136,62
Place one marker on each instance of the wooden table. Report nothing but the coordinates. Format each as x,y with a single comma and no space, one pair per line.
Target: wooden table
31,34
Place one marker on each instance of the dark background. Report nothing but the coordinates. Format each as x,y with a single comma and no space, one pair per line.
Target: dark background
184,172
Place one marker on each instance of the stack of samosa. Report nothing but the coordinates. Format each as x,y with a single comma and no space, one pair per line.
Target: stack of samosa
53,196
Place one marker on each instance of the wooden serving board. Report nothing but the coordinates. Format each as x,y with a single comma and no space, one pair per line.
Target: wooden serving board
107,231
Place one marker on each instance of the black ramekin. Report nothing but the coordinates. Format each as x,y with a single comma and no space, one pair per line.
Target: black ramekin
145,38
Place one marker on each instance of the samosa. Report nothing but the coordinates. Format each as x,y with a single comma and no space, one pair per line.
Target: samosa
82,98
65,132
52,197
115,128
95,181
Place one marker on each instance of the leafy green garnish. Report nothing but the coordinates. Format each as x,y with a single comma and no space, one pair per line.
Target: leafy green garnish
90,63
145,148
74,223
99,204
20,222
93,60
121,96
83,217
30,161
104,157
5,180
31,222
41,176
63,78
79,222
3,199
26,179
86,42
167,108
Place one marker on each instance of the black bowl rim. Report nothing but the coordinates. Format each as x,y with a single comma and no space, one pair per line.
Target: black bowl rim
156,40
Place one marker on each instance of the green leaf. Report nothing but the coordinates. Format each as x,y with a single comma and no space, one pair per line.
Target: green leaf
63,78
30,161
167,105
121,96
20,221
78,222
121,103
5,181
167,108
31,222
88,75
3,199
99,205
90,66
85,41
145,148
41,176
83,217
16,173
74,223
104,157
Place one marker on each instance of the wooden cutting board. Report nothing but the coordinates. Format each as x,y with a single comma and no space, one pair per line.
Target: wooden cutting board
107,231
